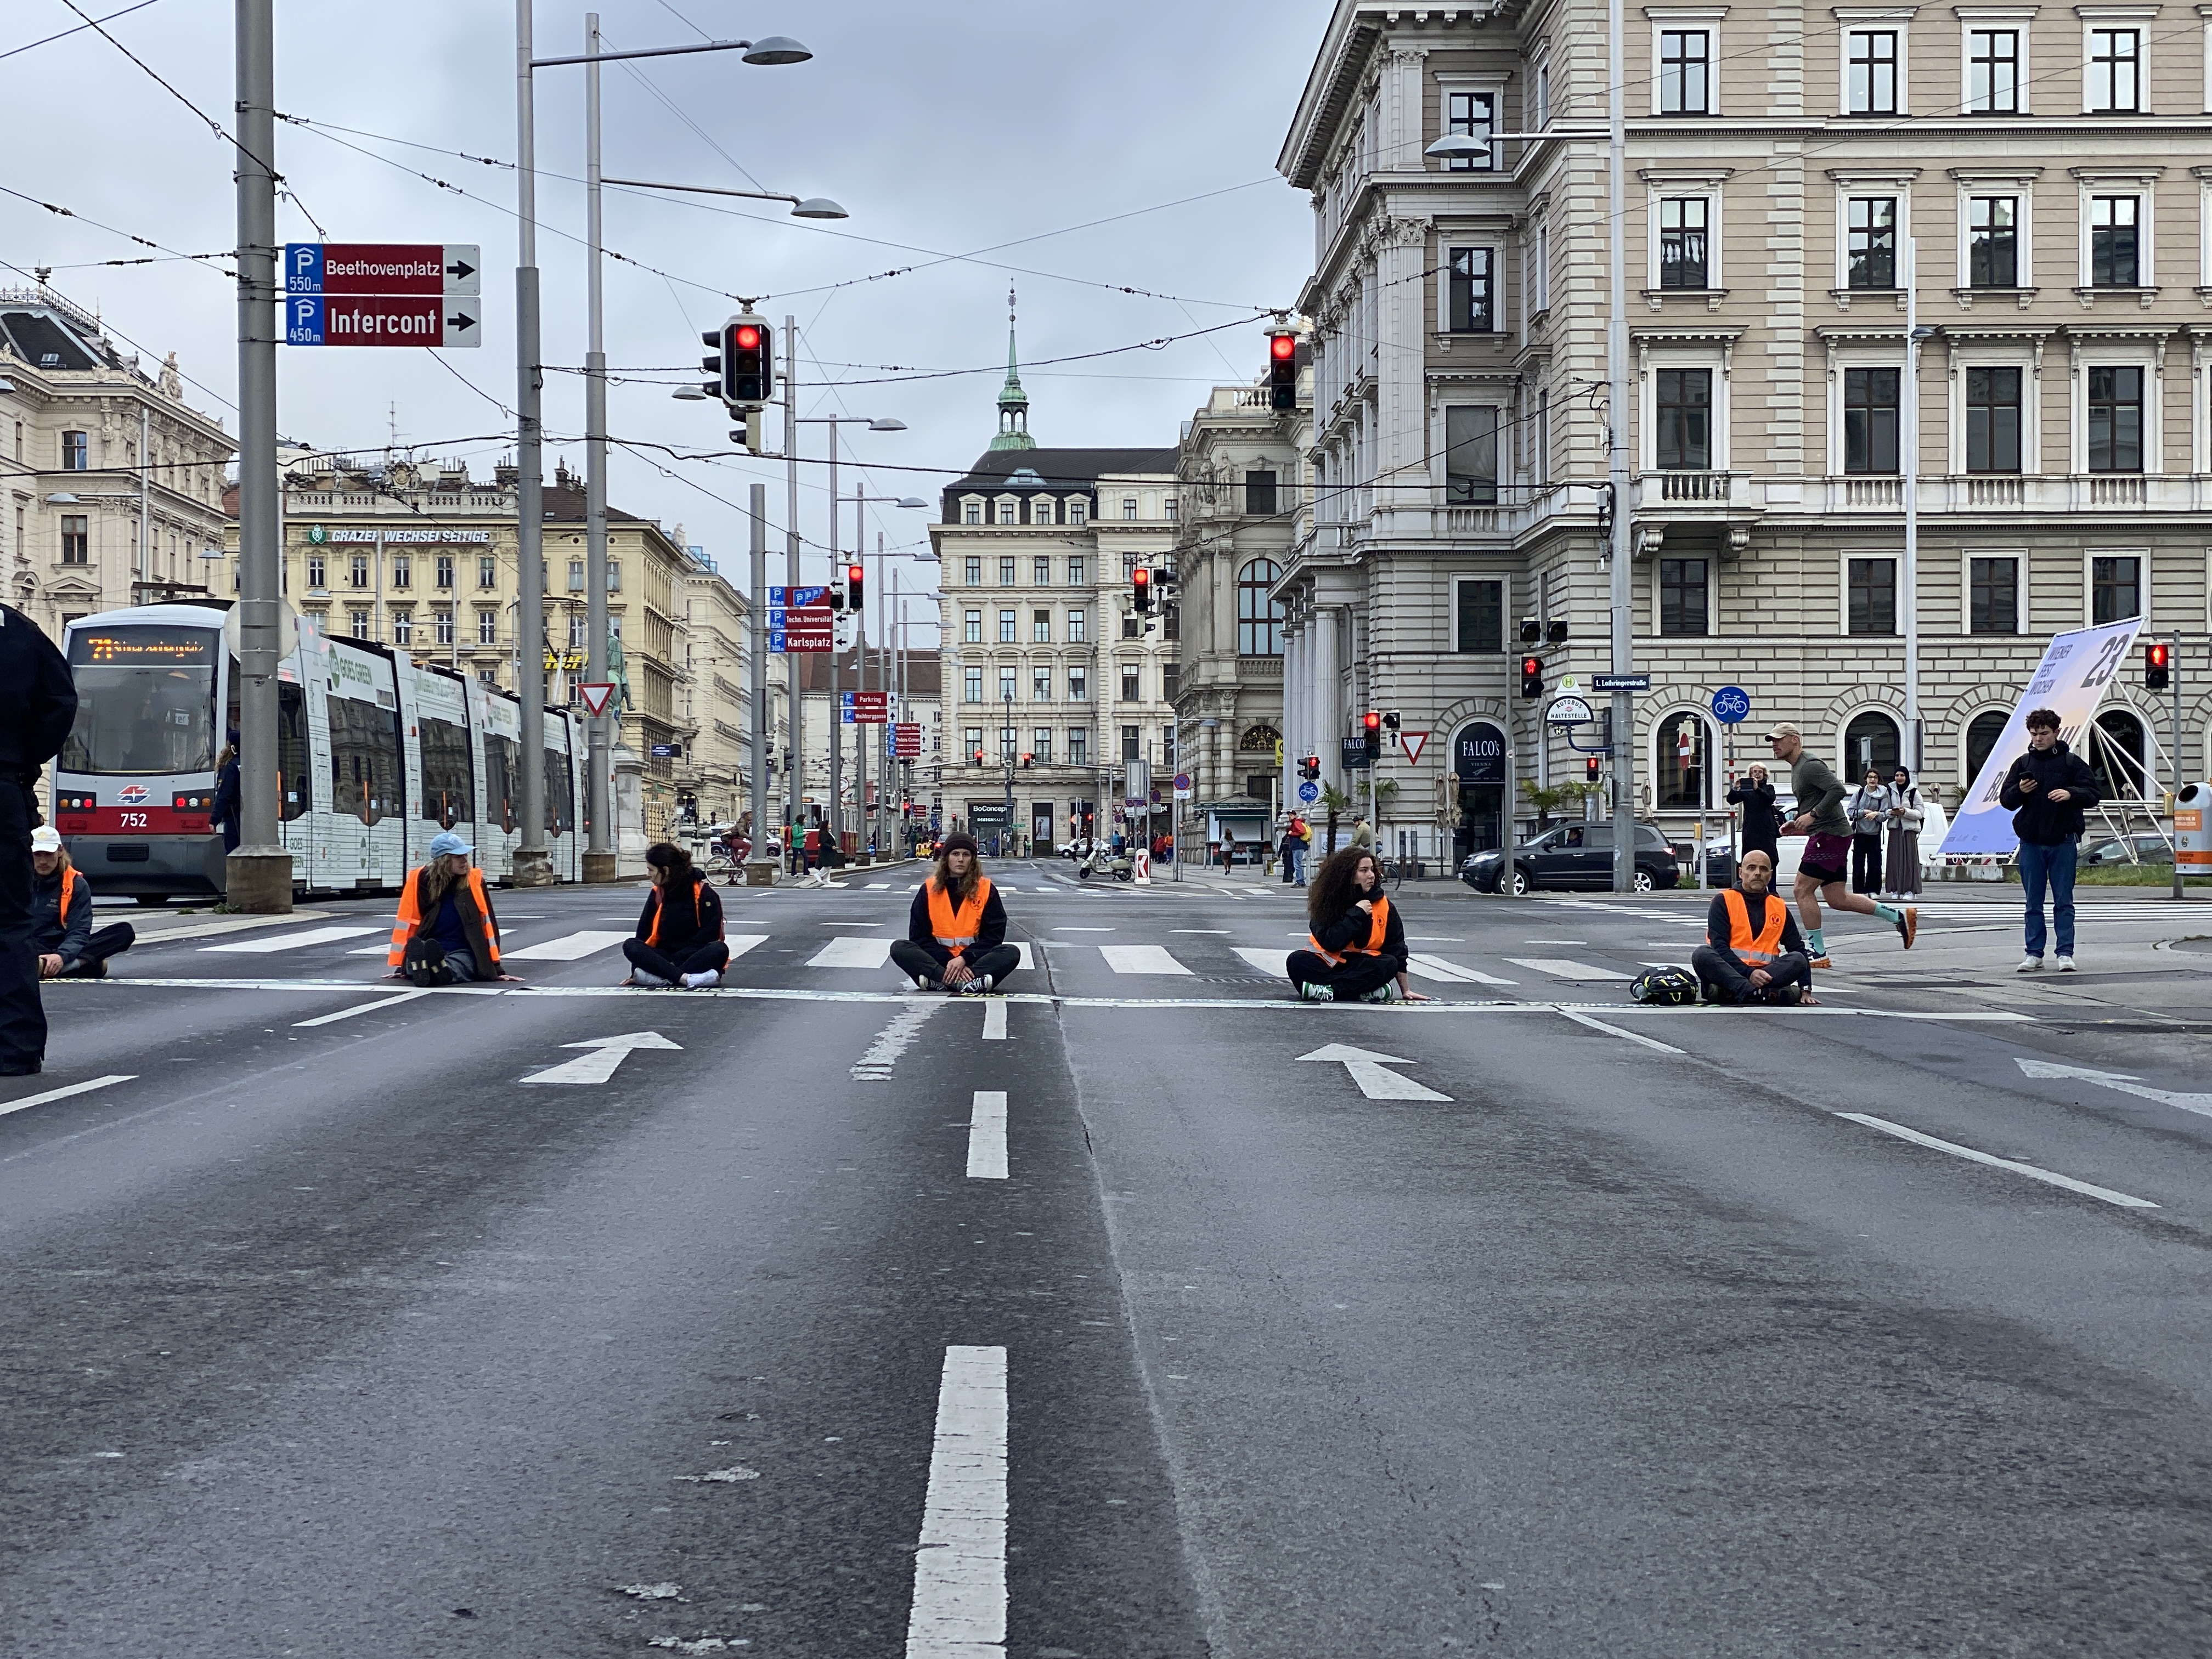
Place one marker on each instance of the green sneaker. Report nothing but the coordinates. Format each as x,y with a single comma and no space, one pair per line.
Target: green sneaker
1316,993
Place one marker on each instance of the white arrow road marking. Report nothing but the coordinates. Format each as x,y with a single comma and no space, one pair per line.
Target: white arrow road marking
1366,1067
606,1053
987,1135
29,1101
2123,1081
959,1609
875,1065
569,947
2028,1169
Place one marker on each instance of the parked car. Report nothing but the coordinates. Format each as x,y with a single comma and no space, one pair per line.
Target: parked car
2128,849
1573,856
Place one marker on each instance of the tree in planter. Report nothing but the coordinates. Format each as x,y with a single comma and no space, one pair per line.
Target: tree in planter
1333,800
1549,802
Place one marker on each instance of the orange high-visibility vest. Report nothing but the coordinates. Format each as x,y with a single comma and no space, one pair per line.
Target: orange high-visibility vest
956,929
660,909
410,915
1763,946
75,885
1376,928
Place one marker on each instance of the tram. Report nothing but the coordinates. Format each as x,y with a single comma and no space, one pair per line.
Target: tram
376,754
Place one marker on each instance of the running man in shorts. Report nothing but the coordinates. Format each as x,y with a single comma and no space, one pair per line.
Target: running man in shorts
1823,872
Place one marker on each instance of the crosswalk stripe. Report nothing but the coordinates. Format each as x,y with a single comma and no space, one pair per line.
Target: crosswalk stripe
260,946
852,953
1267,962
1423,966
741,943
1141,959
1564,968
570,947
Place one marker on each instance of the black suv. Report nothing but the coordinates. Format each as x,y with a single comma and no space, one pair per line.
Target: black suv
1574,856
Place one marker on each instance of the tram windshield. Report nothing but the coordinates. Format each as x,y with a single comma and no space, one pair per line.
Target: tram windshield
145,700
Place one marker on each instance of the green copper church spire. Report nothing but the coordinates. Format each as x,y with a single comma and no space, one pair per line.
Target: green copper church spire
1013,402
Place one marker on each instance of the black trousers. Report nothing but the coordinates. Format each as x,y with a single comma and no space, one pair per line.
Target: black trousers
111,940
912,959
22,1017
709,959
1355,976
1866,864
1727,972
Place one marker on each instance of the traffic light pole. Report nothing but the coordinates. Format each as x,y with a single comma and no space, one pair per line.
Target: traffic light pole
532,866
796,750
862,820
599,847
1616,459
760,869
2174,687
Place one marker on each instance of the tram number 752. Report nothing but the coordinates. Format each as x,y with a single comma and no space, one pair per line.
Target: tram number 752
136,820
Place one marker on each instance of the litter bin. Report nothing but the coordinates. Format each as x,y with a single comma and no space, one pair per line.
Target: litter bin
2192,829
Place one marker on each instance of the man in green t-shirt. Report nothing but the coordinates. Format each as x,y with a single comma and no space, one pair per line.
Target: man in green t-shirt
1821,871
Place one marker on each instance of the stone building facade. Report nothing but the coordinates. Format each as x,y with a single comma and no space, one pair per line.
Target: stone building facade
1785,169
713,695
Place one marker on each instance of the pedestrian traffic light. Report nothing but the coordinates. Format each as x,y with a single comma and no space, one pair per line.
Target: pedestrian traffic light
1026,759
1282,369
1310,769
748,361
854,573
1370,730
1589,768
1532,631
1532,676
1390,721
976,759
1140,588
2158,666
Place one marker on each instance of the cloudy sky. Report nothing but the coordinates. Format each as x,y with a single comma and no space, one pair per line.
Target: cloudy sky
1090,147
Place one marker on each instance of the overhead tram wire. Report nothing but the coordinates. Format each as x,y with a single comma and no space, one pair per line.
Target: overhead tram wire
61,212
29,45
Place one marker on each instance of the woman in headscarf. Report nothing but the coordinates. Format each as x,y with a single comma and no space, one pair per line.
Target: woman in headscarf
1901,874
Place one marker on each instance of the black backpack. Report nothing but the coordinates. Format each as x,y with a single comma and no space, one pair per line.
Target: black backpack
1666,987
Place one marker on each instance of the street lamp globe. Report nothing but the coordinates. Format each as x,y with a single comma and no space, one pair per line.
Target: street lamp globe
818,207
886,423
1456,146
910,500
776,49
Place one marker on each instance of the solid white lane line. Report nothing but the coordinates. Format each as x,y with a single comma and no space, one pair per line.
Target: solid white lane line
852,953
1614,1030
391,1001
570,947
994,1020
1424,966
874,1065
292,941
959,1609
1084,930
1141,959
987,1133
29,1101
2029,1171
1565,968
1223,932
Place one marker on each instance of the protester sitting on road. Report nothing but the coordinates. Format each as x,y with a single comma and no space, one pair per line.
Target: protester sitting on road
1822,868
447,931
1359,940
1753,952
679,932
61,915
956,930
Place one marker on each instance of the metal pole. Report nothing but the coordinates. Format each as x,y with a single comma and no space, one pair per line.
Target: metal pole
2173,686
760,871
1616,460
1908,441
863,821
533,864
836,669
792,664
258,876
145,509
600,850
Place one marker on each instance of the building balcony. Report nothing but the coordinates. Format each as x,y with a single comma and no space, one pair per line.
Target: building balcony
2023,493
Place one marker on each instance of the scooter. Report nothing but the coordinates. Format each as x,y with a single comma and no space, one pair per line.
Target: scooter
1105,861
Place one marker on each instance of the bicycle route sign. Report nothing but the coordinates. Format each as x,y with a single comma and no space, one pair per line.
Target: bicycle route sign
1731,704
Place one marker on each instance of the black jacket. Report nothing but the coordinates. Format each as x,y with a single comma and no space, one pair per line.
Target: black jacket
1353,927
1762,827
1719,932
50,935
38,697
225,809
687,925
989,933
2035,816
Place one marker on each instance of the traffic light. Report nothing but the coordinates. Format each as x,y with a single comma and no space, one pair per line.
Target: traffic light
836,598
1370,730
854,573
748,361
1532,676
2158,666
1390,721
1140,586
1282,371
1026,759
1310,769
1589,768
976,759
1532,631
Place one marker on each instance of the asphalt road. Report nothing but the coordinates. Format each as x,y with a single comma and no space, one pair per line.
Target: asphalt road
1600,1331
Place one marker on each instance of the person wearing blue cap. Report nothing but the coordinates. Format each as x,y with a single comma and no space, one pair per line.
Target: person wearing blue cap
447,931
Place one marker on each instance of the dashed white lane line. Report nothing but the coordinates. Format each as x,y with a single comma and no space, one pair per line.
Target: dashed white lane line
959,1609
852,953
1566,968
1625,1036
1141,959
994,1020
2124,1199
64,1093
291,941
987,1134
391,1001
875,1065
570,947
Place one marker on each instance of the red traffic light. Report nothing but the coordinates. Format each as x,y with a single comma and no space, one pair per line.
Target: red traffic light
1371,721
1589,768
1532,664
2158,662
748,337
1283,345
1140,581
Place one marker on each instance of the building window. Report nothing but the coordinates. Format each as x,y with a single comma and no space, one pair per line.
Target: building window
973,753
1041,572
1005,628
2116,421
360,624
360,570
2115,70
1128,567
1686,68
445,620
1259,493
315,572
1684,434
1079,511
971,684
1008,673
1041,684
1006,573
1171,679
1993,71
1079,745
487,572
1870,64
972,628
614,576
580,634
1041,509
1993,421
1870,412
1470,454
1993,241
1982,734
1870,744
1682,247
2112,241
1132,742
2115,590
1006,510
1682,598
1482,618
403,627
975,573
1167,507
76,452
1679,778
1130,628
1870,244
575,575
1470,299
486,628
1041,627
971,513
1993,595
76,538
1129,683
1079,685
445,570
1474,113
1130,509
1873,596
1040,745
1259,615
1075,572
1076,626
1543,96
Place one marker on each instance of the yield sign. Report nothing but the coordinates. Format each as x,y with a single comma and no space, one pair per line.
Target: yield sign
1367,1070
1411,742
602,1055
595,694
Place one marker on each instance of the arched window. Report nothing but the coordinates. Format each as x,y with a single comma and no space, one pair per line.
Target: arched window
2116,754
1982,734
1682,771
1259,739
1259,618
1870,739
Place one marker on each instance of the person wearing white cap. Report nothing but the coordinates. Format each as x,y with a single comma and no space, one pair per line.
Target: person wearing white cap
61,915
447,930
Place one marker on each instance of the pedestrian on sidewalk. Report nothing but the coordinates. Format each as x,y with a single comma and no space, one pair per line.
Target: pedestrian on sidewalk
1827,849
955,935
2048,789
1359,950
1901,873
222,813
38,705
1868,812
1228,849
1753,952
679,933
447,931
1762,827
61,923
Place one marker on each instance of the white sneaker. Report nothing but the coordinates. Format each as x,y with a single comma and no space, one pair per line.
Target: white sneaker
701,981
2065,965
2030,965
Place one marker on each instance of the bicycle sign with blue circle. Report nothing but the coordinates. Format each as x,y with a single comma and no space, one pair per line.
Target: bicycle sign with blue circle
1731,703
1308,793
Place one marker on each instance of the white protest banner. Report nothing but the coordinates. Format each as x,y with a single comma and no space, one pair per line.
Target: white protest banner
2070,681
